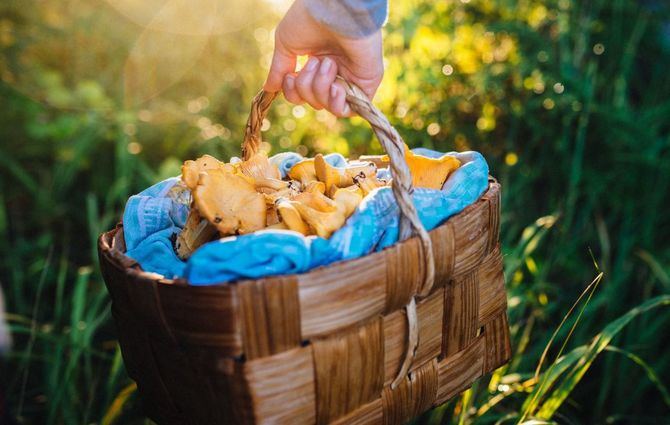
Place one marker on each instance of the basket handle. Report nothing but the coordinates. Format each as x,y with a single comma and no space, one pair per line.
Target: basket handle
392,144
402,186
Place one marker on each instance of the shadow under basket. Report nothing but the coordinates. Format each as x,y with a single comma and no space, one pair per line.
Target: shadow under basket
319,347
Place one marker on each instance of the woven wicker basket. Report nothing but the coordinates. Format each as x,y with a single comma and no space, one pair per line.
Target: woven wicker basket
378,339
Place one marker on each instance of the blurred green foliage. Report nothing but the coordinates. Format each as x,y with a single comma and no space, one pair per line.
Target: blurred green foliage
568,100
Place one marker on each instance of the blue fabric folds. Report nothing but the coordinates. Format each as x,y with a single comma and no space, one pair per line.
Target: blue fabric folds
153,218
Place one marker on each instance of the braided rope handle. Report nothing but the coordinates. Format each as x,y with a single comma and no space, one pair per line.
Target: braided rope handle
402,188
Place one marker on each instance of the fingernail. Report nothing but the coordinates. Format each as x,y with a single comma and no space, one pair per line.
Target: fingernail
346,110
290,81
333,90
311,64
325,66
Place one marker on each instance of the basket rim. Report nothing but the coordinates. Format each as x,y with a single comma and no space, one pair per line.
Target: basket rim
111,246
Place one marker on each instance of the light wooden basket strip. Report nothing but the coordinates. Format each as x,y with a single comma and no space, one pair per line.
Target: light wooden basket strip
270,312
281,387
403,273
330,301
444,248
430,315
470,236
348,369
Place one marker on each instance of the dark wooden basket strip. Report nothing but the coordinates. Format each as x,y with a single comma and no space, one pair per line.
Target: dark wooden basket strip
498,346
203,316
415,394
459,371
461,313
491,280
368,414
493,198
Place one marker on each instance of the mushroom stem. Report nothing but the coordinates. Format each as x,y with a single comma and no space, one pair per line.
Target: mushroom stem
290,216
196,232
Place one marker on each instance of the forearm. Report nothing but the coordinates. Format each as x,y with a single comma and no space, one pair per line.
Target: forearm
351,18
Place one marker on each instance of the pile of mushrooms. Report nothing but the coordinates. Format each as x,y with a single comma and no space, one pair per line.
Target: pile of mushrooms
316,199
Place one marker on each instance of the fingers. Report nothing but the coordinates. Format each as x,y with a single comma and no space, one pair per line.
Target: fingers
305,80
315,84
290,92
283,63
323,80
338,101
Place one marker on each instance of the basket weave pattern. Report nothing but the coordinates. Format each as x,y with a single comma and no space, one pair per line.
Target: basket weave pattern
320,347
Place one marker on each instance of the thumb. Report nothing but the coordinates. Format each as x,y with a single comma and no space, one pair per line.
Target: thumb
282,63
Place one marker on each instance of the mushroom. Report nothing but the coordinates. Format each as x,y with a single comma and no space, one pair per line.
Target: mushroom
290,216
315,186
380,161
323,223
368,184
271,216
340,177
190,171
270,185
290,191
258,167
278,226
316,200
303,171
196,232
229,202
347,199
430,173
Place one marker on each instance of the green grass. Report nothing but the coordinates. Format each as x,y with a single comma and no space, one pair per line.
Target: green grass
585,208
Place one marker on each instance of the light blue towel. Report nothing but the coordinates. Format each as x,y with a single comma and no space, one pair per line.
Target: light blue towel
152,220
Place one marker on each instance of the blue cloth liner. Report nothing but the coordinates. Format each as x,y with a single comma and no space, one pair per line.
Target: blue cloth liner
154,217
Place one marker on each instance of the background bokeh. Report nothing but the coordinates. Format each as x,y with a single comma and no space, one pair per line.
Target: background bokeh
568,99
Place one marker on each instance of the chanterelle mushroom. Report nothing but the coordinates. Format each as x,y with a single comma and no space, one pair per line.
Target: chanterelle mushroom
316,200
259,168
323,223
197,231
303,171
428,172
347,199
368,184
190,171
340,177
229,202
291,217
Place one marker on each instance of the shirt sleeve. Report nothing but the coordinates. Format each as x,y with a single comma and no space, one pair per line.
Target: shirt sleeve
351,18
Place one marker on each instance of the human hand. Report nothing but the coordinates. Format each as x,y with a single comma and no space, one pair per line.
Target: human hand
357,60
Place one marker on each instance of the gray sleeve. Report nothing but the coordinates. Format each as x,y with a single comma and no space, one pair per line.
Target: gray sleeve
351,18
